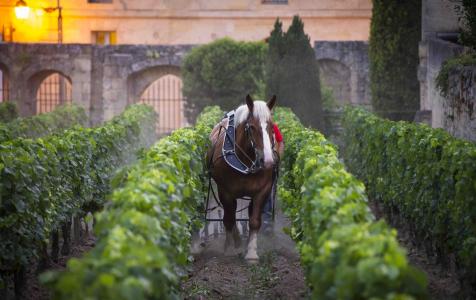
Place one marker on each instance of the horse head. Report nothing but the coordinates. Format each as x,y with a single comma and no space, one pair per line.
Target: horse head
255,131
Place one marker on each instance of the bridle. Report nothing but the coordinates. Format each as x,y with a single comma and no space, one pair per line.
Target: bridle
258,163
231,148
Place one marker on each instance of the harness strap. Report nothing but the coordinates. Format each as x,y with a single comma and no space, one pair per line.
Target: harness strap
229,145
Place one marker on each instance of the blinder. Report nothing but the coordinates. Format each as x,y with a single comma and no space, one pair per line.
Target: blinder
229,145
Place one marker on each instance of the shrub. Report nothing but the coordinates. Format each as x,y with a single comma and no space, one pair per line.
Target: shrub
395,32
45,181
8,112
345,253
144,232
292,72
63,117
423,176
222,73
329,102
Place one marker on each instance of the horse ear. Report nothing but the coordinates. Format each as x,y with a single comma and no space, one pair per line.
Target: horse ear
271,102
249,102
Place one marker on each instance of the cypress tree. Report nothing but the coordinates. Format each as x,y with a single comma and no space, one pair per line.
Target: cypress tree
275,54
393,51
292,72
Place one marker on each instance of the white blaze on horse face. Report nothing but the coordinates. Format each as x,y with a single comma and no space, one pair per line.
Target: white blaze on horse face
268,152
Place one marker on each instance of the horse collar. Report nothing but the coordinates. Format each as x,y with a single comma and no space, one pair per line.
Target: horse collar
228,150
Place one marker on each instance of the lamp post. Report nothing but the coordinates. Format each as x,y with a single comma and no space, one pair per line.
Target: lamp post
22,12
60,19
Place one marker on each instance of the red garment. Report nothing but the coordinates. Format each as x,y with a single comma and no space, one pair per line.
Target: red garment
277,134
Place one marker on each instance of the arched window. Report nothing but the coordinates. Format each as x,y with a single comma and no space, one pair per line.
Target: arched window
54,90
165,96
4,86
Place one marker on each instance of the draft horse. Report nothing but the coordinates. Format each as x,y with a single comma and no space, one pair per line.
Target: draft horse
253,146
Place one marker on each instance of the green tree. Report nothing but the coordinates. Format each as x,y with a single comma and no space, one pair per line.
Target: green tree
292,72
394,36
222,73
275,54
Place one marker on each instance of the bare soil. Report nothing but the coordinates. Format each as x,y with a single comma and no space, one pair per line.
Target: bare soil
33,288
278,275
443,281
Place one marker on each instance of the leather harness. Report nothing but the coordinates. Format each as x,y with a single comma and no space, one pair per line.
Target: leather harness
229,151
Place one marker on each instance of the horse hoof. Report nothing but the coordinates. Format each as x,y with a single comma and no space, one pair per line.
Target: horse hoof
252,261
250,257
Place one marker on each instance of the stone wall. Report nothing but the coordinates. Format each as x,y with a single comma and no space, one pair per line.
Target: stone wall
433,52
439,36
344,67
104,78
459,108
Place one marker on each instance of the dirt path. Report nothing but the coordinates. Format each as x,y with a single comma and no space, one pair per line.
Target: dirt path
34,290
278,275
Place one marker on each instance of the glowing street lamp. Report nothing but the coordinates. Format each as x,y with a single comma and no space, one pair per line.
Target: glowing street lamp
22,11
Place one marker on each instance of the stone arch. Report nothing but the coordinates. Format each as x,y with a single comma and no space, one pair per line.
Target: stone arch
337,77
139,81
46,98
354,56
160,87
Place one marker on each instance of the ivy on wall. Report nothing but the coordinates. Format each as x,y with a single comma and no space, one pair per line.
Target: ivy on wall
393,51
468,32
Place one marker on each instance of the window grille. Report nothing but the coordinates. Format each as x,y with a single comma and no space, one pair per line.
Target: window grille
54,90
104,37
165,96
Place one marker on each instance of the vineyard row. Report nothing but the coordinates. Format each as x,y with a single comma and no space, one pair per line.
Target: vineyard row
45,181
425,178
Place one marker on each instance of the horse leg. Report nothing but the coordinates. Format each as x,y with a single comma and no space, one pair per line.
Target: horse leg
229,220
254,211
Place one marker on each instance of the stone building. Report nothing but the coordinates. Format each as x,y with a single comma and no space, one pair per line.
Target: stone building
440,30
146,41
184,21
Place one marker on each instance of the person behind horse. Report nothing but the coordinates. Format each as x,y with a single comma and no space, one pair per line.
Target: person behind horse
268,210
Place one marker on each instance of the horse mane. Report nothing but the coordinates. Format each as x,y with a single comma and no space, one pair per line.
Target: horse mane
260,111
